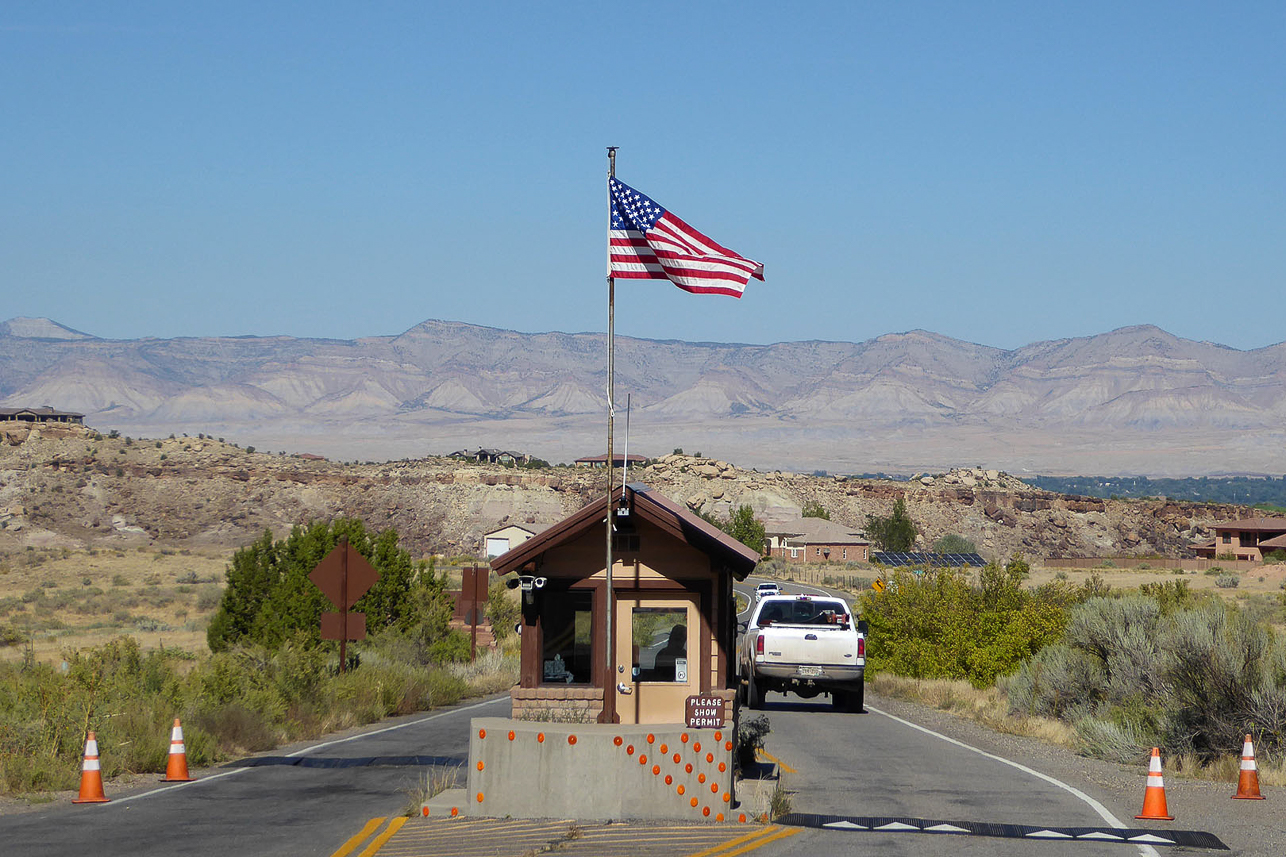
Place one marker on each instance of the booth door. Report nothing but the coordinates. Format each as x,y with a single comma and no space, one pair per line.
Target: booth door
660,667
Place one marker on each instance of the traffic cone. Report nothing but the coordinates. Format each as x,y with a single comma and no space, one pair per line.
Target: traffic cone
1154,797
1248,782
176,769
91,775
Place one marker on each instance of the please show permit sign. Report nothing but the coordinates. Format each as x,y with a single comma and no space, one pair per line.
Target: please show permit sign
703,711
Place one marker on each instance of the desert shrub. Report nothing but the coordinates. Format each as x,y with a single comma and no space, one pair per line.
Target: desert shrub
1133,672
1170,595
1213,571
502,610
752,732
1228,581
1223,666
774,566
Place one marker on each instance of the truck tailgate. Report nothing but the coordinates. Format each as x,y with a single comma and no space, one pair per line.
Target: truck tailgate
809,644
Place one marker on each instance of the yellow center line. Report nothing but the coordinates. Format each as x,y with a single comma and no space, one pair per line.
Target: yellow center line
740,840
378,842
785,769
781,833
359,838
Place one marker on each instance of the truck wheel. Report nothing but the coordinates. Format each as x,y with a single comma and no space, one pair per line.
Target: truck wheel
839,700
857,699
754,692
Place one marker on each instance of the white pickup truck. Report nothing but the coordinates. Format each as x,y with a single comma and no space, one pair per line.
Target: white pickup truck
805,645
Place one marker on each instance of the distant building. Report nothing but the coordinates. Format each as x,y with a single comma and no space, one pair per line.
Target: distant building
618,460
491,456
817,540
43,414
1248,538
505,539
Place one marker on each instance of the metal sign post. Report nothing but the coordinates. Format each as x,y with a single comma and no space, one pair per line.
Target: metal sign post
343,576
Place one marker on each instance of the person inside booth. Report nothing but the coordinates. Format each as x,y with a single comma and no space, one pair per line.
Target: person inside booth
676,647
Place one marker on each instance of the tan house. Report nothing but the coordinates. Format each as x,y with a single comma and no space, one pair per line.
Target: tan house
817,540
1248,538
505,539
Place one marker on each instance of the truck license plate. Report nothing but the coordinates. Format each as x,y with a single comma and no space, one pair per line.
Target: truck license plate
811,672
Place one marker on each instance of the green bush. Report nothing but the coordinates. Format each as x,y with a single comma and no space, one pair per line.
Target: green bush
1228,581
939,625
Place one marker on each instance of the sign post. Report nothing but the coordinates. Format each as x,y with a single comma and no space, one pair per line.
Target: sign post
343,576
473,592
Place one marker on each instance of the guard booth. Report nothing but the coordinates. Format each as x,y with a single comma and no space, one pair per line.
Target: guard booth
667,753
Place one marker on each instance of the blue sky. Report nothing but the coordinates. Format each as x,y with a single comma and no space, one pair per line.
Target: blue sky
996,172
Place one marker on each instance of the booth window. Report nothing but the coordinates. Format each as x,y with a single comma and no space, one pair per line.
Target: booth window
566,623
660,637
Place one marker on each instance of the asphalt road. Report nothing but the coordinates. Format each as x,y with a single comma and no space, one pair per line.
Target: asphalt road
307,800
873,765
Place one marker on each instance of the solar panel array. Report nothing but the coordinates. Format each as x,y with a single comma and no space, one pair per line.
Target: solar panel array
896,559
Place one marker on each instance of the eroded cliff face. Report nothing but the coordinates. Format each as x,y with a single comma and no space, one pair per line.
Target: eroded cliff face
69,486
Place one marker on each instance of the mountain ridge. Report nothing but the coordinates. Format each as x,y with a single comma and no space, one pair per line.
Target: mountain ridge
1133,400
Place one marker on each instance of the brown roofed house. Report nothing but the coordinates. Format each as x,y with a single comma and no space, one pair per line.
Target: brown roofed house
1247,538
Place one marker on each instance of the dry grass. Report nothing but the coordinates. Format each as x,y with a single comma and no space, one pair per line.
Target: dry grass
987,706
63,598
429,785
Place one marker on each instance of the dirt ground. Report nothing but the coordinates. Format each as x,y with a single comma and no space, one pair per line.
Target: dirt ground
69,599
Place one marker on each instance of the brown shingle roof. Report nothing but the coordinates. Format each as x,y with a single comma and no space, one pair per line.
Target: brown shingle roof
651,506
1274,525
817,531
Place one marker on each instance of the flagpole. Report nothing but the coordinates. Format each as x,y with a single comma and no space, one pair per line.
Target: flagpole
609,714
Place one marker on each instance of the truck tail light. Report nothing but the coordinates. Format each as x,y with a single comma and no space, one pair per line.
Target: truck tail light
759,644
861,647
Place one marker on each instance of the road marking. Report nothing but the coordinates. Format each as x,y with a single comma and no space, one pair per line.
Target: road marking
378,842
359,837
1102,811
740,840
780,833
1182,838
782,766
117,801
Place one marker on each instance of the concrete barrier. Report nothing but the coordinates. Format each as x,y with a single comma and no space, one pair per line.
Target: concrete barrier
599,772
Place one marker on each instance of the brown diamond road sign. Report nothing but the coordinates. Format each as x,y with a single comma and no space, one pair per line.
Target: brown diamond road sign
343,576
329,576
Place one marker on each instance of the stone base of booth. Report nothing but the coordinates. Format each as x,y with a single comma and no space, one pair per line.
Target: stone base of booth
557,704
525,769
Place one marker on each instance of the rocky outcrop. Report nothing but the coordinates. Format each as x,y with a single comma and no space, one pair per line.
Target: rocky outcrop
74,487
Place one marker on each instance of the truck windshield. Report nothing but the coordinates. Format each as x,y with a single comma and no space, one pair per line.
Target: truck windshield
804,612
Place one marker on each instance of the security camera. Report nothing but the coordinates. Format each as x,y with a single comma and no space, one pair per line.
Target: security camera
540,582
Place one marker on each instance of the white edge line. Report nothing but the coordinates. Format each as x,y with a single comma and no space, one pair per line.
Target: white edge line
301,752
1103,811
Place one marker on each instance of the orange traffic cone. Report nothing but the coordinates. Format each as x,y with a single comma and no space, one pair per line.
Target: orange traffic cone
1154,797
91,776
176,769
1248,782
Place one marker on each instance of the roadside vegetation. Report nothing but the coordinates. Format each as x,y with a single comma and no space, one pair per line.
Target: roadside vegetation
269,679
1110,673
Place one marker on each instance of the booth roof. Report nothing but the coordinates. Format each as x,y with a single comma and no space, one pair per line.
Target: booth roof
651,506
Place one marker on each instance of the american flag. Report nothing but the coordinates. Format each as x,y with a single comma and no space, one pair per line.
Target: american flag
646,242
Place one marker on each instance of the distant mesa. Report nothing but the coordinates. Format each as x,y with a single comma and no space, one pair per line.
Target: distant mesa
39,328
1134,400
